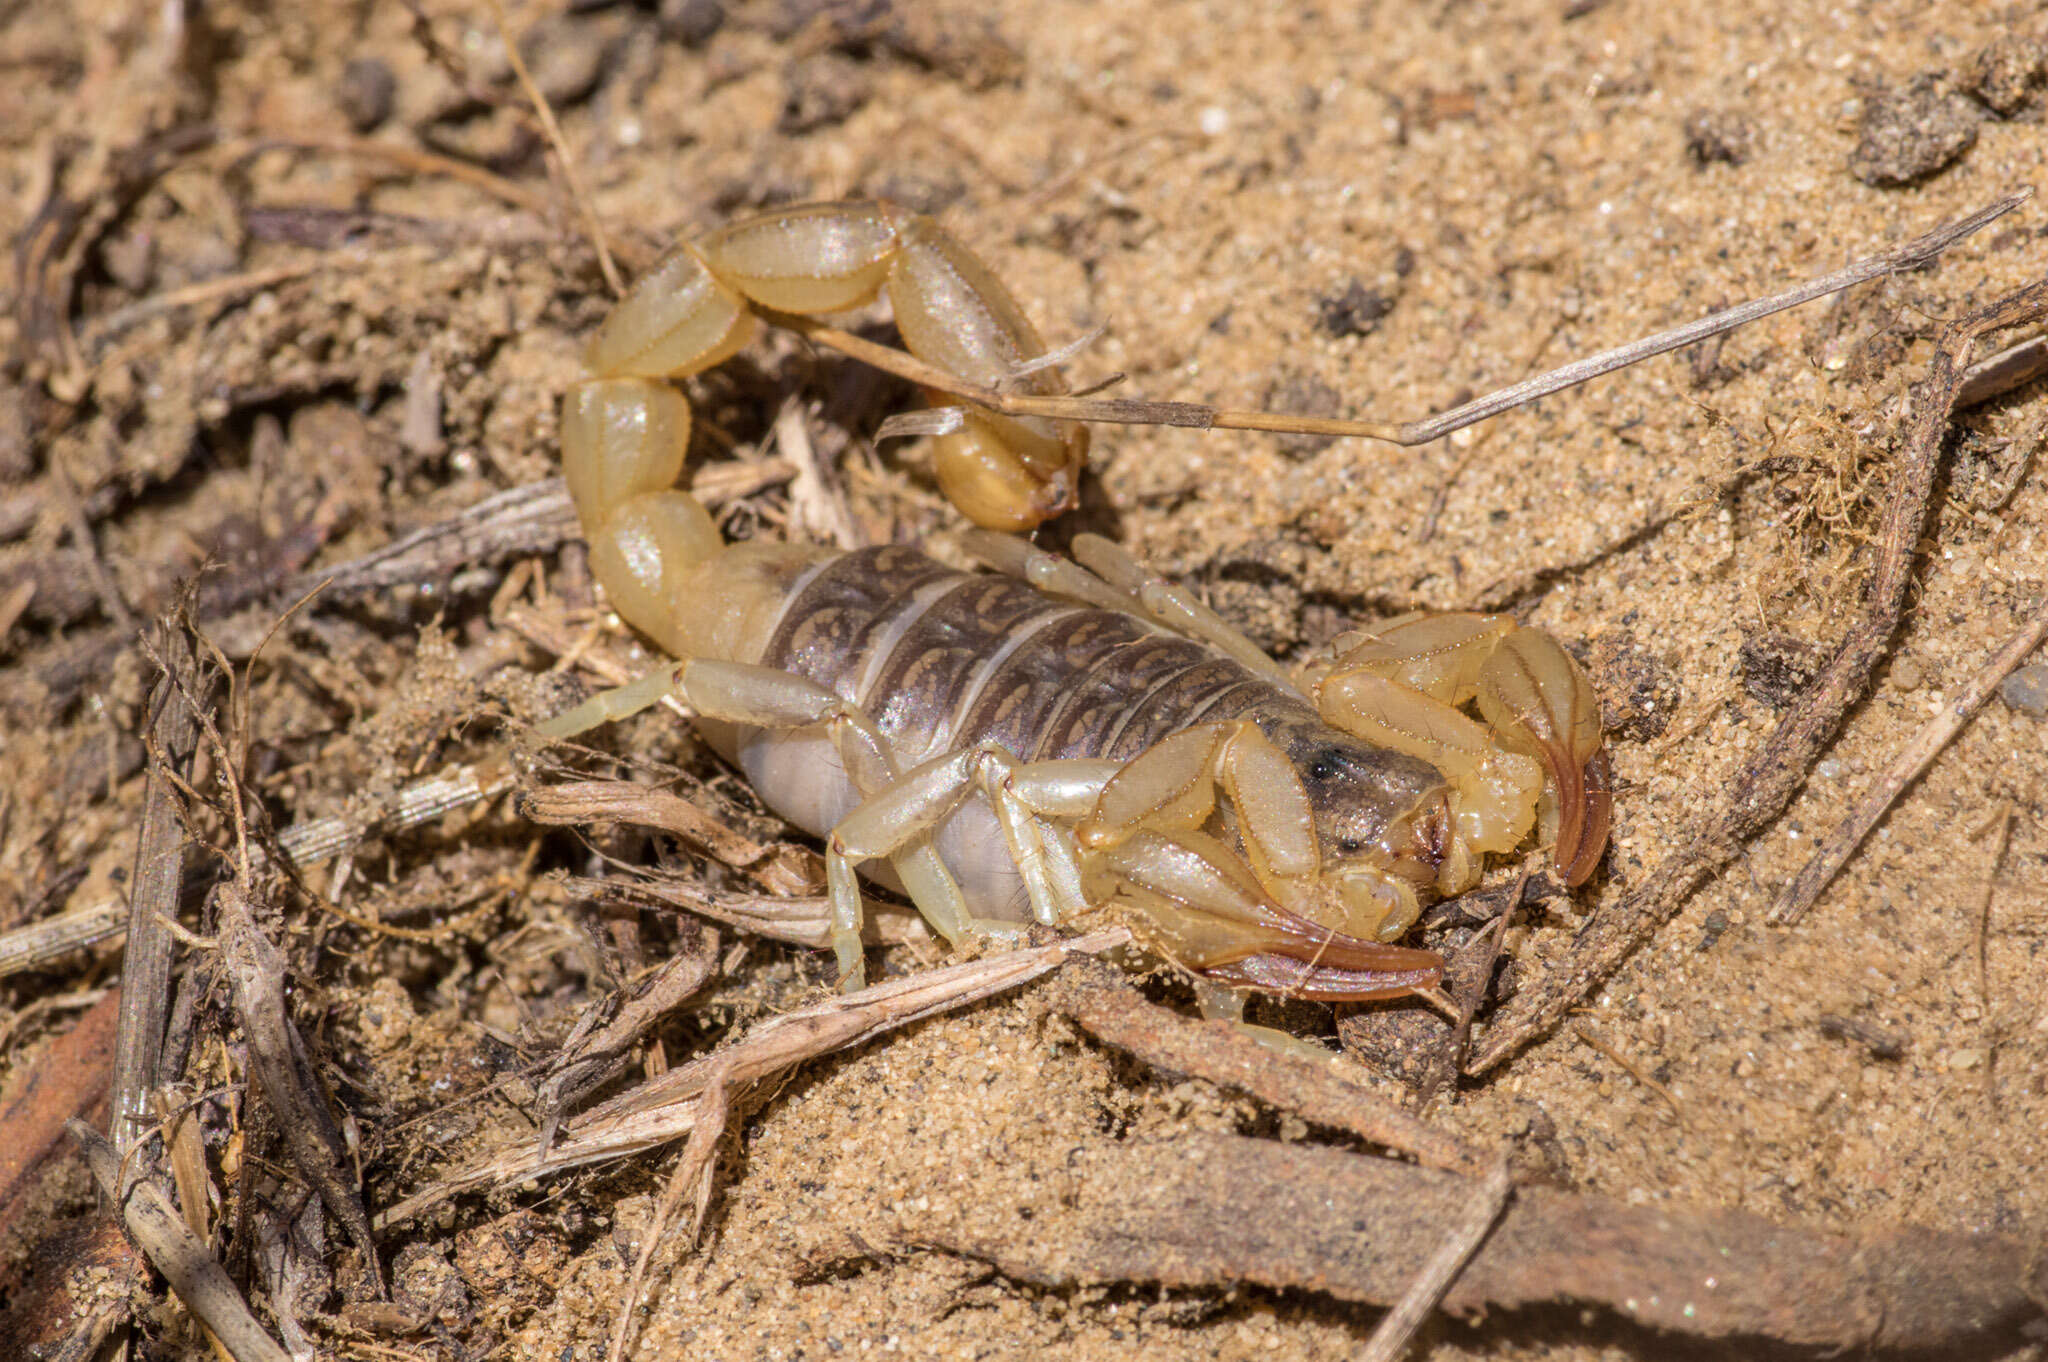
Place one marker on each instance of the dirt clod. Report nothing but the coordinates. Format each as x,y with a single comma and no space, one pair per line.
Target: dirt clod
366,93
822,90
1720,136
1777,667
2007,73
1639,692
1911,133
1353,310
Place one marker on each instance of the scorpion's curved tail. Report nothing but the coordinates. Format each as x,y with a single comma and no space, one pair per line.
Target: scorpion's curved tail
626,429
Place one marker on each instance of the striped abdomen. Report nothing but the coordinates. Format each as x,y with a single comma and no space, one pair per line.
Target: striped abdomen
944,660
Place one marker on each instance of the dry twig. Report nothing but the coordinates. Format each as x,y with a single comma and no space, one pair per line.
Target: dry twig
1913,760
673,1105
1391,1335
1200,416
182,1256
1760,792
1220,1211
1103,1003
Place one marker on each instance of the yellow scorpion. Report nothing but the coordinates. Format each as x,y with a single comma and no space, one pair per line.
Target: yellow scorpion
1054,736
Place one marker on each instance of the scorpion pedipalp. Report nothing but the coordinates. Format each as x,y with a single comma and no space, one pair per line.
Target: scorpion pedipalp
1401,685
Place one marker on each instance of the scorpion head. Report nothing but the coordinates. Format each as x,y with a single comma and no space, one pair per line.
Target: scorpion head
1292,872
1383,828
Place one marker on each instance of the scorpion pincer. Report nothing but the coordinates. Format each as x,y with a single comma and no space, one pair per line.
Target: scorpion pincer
1059,735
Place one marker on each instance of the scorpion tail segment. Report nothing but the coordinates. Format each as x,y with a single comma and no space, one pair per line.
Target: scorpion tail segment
680,318
983,475
700,304
821,257
623,442
1540,703
1004,472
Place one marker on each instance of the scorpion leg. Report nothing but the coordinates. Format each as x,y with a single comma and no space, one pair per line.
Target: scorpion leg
1025,795
762,697
1172,605
1113,580
1538,755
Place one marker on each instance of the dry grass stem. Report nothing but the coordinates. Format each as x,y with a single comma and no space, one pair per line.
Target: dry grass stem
182,1256
672,1105
1766,783
1913,759
1391,1336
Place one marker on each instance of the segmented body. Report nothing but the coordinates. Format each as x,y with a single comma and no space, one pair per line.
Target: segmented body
949,661
1062,736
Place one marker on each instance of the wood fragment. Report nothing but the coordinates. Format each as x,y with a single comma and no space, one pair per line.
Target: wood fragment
1760,792
1472,972
1219,1211
159,882
669,1107
305,845
805,920
284,1071
69,1082
1910,764
595,1052
1390,1337
76,1289
592,227
199,1281
1105,1005
572,803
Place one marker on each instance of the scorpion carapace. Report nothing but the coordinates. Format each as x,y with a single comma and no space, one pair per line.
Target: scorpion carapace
1059,736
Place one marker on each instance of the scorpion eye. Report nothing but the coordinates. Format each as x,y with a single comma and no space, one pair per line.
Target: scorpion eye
1325,766
1350,846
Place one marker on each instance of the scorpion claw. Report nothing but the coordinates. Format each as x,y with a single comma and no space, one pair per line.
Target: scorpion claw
1401,974
1308,961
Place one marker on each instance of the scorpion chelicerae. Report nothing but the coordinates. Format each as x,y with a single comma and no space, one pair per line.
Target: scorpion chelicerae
1057,735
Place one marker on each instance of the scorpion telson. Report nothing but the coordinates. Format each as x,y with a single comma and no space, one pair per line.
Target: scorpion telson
1058,736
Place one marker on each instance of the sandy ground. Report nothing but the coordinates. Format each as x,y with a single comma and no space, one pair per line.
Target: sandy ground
1374,208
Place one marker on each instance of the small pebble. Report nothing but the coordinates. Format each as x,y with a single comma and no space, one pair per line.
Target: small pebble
1908,674
2026,690
2006,74
366,93
692,22
565,57
822,91
1354,310
1718,135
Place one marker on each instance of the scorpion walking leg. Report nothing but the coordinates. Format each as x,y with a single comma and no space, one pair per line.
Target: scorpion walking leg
1113,580
762,697
1400,684
1026,796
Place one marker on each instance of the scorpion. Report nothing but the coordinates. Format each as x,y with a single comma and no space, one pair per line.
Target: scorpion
1057,735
